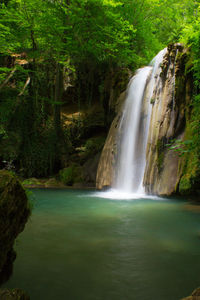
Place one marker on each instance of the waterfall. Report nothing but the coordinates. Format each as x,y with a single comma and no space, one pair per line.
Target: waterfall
133,129
136,159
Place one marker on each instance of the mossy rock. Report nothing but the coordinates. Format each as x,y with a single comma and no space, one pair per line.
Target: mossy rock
53,183
190,180
31,182
71,175
14,213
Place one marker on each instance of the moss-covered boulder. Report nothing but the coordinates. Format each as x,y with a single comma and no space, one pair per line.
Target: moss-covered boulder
15,294
14,212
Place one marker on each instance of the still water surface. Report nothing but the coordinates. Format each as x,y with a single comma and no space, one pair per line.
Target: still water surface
78,246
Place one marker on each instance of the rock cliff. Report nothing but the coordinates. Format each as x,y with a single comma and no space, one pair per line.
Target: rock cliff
168,119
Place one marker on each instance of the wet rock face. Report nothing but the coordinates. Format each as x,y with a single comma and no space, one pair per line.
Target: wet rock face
168,119
105,168
105,171
14,213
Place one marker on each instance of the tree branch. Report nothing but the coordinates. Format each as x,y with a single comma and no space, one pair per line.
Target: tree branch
8,78
26,84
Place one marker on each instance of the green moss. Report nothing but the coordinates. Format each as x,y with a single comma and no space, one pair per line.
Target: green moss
185,185
190,180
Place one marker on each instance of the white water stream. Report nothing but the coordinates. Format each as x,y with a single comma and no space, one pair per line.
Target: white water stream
134,129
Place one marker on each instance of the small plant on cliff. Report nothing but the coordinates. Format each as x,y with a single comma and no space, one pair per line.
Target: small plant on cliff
181,147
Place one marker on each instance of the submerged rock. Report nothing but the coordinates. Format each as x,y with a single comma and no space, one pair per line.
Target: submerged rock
15,294
14,213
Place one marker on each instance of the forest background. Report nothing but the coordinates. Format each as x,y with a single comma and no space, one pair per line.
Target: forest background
62,62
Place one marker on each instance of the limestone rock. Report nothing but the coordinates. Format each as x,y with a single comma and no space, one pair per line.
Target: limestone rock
90,170
163,168
105,171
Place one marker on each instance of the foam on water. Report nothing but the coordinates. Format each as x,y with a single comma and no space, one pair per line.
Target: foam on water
121,195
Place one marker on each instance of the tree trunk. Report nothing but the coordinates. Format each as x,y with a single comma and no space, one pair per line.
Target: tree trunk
58,98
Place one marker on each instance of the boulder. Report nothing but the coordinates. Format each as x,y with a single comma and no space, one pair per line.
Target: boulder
195,295
14,213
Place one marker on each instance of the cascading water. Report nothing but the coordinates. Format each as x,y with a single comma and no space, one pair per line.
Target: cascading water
130,162
134,128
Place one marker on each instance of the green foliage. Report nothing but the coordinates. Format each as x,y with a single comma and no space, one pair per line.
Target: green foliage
191,36
94,145
181,147
71,175
3,73
38,154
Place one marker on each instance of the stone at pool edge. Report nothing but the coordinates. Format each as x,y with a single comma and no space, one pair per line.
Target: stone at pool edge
14,213
194,296
15,294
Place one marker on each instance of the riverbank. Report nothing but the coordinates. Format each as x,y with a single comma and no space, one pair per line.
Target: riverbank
51,183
